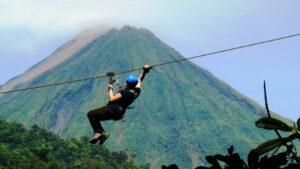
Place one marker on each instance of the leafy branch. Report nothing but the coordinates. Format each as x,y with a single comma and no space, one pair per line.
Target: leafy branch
261,157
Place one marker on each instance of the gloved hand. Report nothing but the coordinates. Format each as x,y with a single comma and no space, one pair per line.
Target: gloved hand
146,68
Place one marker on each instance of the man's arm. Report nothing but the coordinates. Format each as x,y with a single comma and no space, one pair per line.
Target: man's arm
146,69
111,96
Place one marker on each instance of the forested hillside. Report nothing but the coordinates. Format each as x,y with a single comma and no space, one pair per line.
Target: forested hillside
38,148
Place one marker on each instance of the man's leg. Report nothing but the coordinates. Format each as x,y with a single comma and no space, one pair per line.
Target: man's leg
94,116
97,115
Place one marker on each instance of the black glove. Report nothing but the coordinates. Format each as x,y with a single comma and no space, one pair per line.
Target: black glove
146,69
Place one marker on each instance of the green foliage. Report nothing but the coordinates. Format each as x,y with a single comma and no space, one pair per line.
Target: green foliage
272,144
40,149
279,159
272,124
298,124
253,157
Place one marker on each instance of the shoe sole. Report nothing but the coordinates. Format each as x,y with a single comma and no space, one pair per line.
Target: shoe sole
95,140
102,139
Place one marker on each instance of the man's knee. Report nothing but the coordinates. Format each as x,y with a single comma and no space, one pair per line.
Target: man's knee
90,114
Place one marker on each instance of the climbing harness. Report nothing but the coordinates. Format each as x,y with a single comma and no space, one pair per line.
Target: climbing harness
113,80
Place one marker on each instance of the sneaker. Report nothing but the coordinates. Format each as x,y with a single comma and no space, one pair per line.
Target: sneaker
103,137
95,138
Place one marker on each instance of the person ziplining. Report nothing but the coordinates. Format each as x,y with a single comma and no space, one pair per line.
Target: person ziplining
116,106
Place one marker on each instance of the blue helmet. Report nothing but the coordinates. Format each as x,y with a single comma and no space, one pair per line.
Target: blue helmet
132,79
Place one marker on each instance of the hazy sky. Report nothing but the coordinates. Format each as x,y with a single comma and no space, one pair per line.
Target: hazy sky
31,30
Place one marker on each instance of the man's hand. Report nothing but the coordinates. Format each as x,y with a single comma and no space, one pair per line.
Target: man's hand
146,68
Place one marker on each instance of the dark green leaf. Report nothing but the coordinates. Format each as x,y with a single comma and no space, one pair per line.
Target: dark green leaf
230,150
298,124
272,144
213,161
253,159
272,124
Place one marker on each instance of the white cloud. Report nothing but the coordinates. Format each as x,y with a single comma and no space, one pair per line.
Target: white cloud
43,14
31,23
71,14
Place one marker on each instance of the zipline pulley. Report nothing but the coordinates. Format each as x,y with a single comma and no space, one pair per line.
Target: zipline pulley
111,76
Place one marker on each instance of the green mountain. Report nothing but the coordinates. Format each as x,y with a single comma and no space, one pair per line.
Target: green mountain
182,114
40,149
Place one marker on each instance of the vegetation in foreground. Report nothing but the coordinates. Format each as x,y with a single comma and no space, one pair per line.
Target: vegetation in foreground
38,148
278,153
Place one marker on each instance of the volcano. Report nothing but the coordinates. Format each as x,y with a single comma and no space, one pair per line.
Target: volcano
183,113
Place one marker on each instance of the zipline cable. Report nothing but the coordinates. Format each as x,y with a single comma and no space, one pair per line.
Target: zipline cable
155,65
